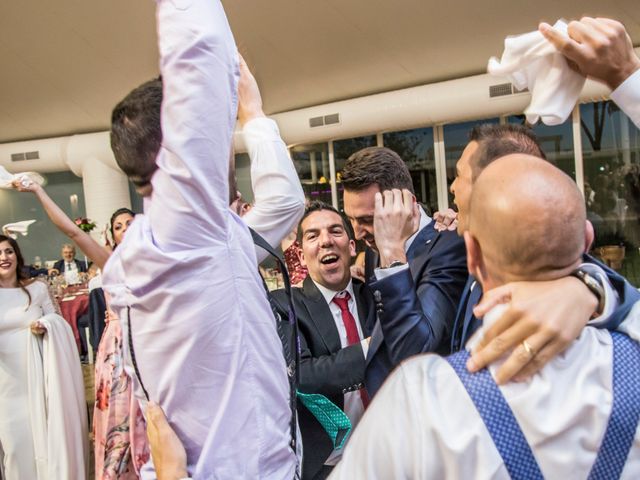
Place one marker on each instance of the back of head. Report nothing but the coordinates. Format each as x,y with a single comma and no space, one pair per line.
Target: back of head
528,218
376,166
495,141
136,133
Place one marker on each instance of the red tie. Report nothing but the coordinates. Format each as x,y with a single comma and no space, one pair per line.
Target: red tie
352,331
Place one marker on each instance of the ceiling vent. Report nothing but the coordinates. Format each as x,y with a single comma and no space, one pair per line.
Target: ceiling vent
332,119
504,89
18,157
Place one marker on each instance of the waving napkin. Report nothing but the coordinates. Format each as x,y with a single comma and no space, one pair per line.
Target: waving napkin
12,229
530,61
7,178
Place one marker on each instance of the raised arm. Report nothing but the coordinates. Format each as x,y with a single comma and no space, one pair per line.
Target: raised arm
83,240
278,196
189,207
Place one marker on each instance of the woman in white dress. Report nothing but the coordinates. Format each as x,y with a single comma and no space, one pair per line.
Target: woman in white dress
43,433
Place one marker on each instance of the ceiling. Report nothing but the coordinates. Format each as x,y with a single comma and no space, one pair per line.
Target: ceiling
67,62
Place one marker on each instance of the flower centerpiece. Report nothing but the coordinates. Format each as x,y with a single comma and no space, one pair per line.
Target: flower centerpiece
85,224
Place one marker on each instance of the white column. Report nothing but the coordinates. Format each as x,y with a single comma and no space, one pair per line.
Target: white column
314,166
105,190
577,148
379,140
441,167
332,170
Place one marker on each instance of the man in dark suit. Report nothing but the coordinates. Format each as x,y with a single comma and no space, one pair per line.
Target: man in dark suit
488,142
415,272
335,317
68,262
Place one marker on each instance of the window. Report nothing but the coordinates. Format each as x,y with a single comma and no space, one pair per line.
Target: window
416,149
611,156
556,142
312,165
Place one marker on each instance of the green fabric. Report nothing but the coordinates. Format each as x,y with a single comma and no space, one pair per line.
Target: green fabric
334,421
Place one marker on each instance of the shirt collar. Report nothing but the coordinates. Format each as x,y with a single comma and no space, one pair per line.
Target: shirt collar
329,294
424,221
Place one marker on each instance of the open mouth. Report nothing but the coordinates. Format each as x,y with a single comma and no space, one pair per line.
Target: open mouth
329,259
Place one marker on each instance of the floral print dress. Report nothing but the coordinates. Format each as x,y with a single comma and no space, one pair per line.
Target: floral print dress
121,446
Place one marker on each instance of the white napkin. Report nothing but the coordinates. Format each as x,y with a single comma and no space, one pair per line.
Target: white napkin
7,178
12,229
531,61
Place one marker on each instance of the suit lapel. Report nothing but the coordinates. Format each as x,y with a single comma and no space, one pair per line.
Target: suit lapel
426,238
366,309
321,315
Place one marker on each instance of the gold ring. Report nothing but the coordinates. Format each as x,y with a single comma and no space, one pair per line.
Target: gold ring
529,349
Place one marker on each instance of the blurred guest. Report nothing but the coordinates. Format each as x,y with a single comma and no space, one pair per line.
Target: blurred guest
43,427
68,264
600,48
432,419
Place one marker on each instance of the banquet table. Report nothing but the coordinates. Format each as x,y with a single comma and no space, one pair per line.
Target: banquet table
73,304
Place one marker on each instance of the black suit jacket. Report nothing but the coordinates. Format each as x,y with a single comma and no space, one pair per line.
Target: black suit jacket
59,265
325,367
416,307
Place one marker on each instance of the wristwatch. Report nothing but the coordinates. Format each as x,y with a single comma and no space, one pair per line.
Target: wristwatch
593,285
395,263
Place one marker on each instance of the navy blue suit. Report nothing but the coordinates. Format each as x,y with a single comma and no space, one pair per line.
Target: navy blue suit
466,323
417,306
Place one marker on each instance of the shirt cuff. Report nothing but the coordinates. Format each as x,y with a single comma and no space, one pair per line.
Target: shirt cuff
381,273
611,300
365,347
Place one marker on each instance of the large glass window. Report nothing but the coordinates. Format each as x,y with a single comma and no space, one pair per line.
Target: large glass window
456,138
611,153
312,165
416,149
342,150
44,239
556,142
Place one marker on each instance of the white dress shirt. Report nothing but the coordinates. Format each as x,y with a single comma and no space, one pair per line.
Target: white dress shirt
422,423
627,97
353,406
203,332
277,192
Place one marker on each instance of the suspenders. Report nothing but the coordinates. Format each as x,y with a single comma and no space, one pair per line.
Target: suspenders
511,443
290,343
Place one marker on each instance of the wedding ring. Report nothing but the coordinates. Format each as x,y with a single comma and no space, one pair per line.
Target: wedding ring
529,349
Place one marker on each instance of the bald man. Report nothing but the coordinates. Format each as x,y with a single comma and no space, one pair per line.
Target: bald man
551,426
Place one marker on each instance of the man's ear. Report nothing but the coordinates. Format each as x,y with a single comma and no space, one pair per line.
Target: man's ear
475,264
589,236
352,248
301,257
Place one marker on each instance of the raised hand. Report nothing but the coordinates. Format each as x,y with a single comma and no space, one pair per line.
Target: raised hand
396,217
249,98
597,47
445,220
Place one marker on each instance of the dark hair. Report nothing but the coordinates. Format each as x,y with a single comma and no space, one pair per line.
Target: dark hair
21,274
115,215
376,166
136,133
495,141
318,206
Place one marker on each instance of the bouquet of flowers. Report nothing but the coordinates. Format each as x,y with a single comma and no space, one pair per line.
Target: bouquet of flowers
85,224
